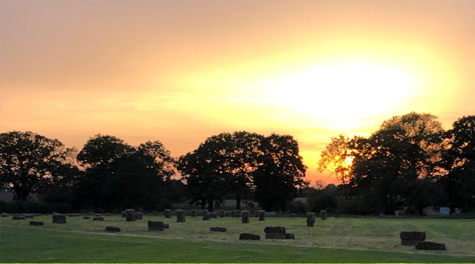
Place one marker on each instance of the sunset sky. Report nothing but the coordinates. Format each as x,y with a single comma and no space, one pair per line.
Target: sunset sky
181,71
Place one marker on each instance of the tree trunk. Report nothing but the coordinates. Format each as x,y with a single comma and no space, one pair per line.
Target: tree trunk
238,201
210,205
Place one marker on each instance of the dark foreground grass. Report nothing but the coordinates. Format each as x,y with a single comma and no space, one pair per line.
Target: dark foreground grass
30,244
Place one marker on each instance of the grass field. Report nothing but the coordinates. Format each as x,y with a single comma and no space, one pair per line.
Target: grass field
333,240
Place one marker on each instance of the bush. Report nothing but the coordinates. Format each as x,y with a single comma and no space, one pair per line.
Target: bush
322,202
298,207
3,206
346,206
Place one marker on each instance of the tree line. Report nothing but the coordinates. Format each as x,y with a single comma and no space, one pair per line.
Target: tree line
109,174
409,163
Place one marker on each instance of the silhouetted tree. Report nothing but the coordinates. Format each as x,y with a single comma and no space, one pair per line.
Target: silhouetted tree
29,162
337,158
207,170
459,163
280,172
118,175
390,164
243,162
101,156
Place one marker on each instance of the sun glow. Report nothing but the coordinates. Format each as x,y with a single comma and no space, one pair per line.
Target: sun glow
343,91
349,161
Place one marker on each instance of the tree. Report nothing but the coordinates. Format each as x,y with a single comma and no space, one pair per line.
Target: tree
280,172
101,156
118,175
459,162
337,158
390,164
223,164
243,161
207,170
29,162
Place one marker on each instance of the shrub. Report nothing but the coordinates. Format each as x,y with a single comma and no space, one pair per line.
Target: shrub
298,207
322,202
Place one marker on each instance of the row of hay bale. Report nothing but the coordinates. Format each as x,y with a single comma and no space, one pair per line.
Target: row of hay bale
168,213
21,216
131,215
272,232
56,218
152,226
418,239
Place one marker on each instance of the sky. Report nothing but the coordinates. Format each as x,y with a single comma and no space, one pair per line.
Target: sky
181,71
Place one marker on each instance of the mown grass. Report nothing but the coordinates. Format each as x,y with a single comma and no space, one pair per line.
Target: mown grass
333,240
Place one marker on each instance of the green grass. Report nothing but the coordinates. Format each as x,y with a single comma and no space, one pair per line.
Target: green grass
333,240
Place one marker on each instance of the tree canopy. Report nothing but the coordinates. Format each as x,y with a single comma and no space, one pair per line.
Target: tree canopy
118,175
242,163
29,162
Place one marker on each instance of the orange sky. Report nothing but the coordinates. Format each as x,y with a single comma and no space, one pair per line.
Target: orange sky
180,71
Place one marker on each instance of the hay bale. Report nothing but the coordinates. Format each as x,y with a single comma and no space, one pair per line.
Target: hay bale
289,236
36,223
262,215
275,230
221,213
323,214
168,213
98,218
310,218
112,229
245,217
410,238
237,213
138,215
427,245
86,217
218,229
130,215
18,217
180,216
59,219
213,215
275,236
5,215
249,236
205,215
156,226
28,215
